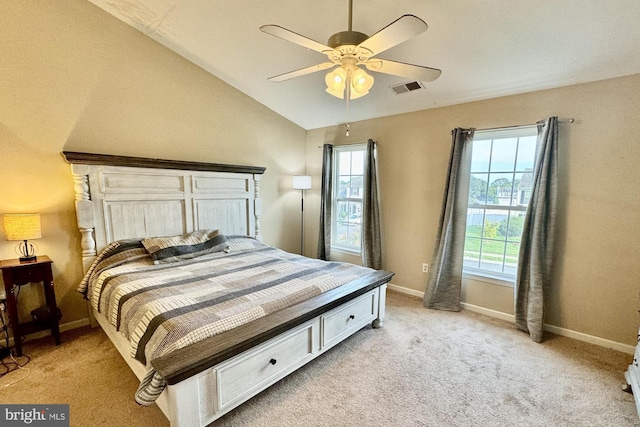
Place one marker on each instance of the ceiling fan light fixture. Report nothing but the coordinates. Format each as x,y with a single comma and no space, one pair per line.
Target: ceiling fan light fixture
358,80
351,49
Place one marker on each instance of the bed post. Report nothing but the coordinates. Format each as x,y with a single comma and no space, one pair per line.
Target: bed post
84,214
257,205
382,298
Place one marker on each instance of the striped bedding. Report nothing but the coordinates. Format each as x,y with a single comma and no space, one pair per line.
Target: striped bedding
160,308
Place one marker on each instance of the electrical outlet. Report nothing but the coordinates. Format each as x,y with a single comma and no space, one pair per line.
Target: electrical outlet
425,267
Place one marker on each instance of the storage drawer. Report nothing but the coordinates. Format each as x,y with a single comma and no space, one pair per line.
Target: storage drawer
251,372
33,274
345,320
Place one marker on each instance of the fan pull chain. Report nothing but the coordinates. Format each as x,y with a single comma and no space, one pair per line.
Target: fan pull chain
346,123
348,98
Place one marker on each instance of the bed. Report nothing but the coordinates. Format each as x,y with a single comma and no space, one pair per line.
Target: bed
131,210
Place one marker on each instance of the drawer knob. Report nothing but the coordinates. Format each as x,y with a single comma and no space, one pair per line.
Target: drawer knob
352,317
273,361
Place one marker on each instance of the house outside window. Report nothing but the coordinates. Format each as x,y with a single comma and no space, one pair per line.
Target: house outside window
348,180
499,192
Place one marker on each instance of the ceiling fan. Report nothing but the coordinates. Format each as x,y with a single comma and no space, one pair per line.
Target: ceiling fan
351,49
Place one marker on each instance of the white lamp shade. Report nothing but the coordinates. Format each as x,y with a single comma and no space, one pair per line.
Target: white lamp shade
22,226
301,182
336,81
361,82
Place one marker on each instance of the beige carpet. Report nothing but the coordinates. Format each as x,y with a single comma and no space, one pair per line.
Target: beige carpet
423,368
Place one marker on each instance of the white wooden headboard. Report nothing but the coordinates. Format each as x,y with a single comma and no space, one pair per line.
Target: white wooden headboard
131,197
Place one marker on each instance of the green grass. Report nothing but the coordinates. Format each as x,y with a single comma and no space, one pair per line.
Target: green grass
492,250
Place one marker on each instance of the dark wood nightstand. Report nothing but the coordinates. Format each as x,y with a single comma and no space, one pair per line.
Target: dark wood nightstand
16,273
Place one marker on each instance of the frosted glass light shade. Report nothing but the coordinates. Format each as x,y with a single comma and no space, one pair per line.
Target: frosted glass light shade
361,82
336,81
357,79
301,182
22,226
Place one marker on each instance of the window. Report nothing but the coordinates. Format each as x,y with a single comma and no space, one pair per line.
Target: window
347,197
499,192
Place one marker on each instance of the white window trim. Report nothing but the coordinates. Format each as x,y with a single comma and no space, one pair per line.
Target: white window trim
341,250
494,279
487,276
334,199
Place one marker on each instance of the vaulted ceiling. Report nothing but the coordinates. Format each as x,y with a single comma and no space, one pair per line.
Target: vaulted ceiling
484,49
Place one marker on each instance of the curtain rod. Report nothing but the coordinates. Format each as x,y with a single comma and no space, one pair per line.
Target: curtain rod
345,145
571,120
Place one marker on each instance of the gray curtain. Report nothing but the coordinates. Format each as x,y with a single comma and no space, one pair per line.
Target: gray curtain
371,244
538,235
324,235
445,279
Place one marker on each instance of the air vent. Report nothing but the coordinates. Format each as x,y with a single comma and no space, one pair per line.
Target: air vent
407,87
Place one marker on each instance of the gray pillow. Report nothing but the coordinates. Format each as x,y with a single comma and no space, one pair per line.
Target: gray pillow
185,246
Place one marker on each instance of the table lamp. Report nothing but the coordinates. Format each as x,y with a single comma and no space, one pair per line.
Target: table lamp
23,227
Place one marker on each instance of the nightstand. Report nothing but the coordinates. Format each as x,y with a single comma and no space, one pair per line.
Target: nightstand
15,274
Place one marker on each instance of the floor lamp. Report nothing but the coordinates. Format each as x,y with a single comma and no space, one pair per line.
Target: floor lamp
301,182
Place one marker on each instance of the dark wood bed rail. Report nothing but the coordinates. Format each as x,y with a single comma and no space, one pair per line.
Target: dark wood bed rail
75,157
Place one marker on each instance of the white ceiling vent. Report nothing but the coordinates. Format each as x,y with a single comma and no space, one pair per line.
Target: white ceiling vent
407,87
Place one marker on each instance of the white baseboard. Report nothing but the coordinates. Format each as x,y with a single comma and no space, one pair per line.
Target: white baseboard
624,348
405,291
488,312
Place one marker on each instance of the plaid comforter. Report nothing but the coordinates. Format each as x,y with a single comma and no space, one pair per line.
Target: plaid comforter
162,308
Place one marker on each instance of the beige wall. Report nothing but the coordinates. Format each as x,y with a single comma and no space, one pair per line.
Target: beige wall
74,78
597,275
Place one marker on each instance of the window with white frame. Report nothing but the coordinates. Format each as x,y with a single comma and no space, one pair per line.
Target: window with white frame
348,179
499,192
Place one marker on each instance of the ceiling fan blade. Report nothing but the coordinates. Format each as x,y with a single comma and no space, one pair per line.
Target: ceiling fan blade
301,72
400,30
283,33
417,72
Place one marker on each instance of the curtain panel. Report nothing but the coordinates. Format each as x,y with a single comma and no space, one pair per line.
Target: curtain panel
538,236
445,280
371,241
324,234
